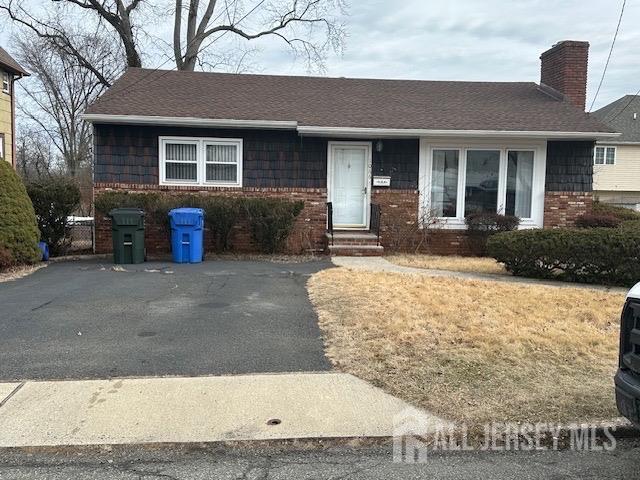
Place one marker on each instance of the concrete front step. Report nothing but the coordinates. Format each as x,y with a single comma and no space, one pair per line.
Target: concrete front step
356,250
353,238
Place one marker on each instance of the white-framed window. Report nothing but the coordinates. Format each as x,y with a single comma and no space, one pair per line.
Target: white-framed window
604,155
458,180
6,82
201,161
1,146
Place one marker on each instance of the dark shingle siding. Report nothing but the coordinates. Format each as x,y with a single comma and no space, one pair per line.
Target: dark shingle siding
129,154
272,159
399,160
569,167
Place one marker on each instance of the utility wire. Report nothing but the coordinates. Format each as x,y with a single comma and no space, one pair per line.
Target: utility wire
604,72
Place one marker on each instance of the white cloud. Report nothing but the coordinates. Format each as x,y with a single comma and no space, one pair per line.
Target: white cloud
499,40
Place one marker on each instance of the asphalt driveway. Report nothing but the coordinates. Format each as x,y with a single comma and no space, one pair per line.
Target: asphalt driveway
87,320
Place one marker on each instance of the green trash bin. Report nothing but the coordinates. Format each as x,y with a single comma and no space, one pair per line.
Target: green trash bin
127,230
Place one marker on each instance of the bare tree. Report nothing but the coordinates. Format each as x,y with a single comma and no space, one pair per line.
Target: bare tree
59,91
35,158
310,28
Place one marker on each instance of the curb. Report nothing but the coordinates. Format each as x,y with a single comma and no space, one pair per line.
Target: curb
562,442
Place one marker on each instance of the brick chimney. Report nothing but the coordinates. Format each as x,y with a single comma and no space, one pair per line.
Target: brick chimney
564,68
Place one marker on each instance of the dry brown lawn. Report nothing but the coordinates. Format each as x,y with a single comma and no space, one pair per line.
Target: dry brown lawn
457,264
474,351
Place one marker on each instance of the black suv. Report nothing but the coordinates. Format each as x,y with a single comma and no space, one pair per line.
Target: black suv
627,379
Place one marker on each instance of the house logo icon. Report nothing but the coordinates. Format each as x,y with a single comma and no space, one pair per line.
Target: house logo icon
411,428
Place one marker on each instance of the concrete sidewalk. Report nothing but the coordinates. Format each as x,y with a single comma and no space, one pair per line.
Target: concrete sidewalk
198,409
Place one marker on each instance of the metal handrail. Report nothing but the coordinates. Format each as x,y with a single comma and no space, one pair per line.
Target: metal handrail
330,220
376,213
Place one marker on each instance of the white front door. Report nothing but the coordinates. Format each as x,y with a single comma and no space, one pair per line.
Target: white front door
348,183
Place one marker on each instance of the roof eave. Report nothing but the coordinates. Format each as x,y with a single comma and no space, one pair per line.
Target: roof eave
353,132
188,121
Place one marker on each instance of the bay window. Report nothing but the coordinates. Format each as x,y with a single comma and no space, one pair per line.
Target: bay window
463,180
201,161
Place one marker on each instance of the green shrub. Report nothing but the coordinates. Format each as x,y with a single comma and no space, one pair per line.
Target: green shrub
622,213
608,256
271,221
18,227
54,200
480,226
596,221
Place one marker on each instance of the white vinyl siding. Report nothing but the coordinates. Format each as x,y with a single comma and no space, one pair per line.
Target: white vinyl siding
623,175
201,161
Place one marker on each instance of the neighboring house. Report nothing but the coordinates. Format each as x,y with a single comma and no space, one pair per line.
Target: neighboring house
414,148
616,170
10,71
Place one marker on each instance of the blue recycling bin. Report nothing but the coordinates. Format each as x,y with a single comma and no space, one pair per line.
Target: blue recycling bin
187,228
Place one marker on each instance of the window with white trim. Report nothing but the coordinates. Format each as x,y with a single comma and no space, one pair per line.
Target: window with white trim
201,161
604,155
6,82
469,180
1,146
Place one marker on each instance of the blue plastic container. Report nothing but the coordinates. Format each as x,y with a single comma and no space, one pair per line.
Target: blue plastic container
187,231
44,248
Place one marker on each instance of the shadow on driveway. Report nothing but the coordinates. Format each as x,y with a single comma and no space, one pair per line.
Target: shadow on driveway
84,320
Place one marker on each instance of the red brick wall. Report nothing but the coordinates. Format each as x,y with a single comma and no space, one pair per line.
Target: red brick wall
564,67
399,226
308,234
561,209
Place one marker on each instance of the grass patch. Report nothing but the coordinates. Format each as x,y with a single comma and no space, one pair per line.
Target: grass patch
454,263
474,351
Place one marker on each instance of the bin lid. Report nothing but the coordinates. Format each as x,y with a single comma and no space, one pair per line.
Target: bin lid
126,216
186,216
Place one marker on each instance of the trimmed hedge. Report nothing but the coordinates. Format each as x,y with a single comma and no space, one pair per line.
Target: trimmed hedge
18,228
595,221
622,213
480,226
270,220
609,256
54,200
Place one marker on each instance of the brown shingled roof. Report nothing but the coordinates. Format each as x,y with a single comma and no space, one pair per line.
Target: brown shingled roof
344,102
9,63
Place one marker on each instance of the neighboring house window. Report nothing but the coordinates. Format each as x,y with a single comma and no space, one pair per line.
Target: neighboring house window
201,161
6,83
604,155
471,180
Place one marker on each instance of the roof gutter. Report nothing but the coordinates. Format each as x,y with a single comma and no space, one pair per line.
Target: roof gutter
352,132
188,121
410,133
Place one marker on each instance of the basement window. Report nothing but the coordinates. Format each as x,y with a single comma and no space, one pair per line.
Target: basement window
604,156
201,161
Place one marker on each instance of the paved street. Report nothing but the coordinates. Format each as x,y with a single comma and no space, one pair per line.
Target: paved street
333,463
84,320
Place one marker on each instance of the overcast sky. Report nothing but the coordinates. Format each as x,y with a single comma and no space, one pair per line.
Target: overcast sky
495,40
